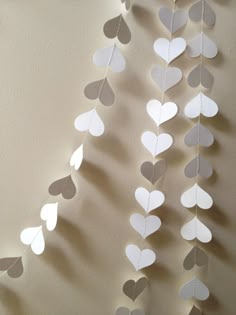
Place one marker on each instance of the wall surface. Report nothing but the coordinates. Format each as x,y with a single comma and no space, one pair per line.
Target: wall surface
46,50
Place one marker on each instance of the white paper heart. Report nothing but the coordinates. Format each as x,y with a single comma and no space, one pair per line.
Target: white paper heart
196,196
140,258
149,200
196,229
166,78
145,226
156,144
201,104
202,45
173,21
34,237
90,121
77,158
109,56
161,113
194,289
49,213
169,50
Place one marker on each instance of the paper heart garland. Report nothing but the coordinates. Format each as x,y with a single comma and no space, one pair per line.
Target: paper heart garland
199,135
161,113
133,289
202,11
101,90
140,258
195,257
156,144
196,196
196,229
195,311
152,172
49,213
145,226
149,200
34,237
117,27
126,311
13,266
77,158
173,21
169,50
166,78
194,289
201,104
109,57
91,122
200,75
64,186
198,166
202,45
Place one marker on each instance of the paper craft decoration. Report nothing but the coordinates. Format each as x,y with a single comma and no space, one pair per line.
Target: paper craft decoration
49,214
117,27
161,113
140,258
149,200
166,78
202,11
33,236
195,257
199,135
202,45
201,104
200,76
64,186
195,311
127,4
173,21
198,166
126,311
101,90
152,172
196,196
196,229
145,226
169,50
133,289
13,266
91,122
156,144
77,157
194,289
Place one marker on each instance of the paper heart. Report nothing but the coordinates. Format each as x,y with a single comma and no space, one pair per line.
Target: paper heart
49,214
102,90
173,21
13,266
202,11
149,200
77,158
156,144
140,258
90,121
109,57
200,75
199,135
196,229
152,172
195,257
194,289
145,226
196,196
126,311
166,78
127,4
64,186
202,45
117,27
133,289
169,50
34,237
195,311
201,104
161,113
198,166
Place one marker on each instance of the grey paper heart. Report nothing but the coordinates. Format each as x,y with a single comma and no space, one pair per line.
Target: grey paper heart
200,75
202,11
117,27
199,135
152,172
198,166
173,21
126,311
64,186
166,78
194,289
133,288
195,311
127,4
102,90
13,266
195,257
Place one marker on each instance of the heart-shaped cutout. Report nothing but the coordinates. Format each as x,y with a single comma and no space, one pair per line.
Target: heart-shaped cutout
64,186
202,11
140,258
34,237
13,266
101,90
202,45
161,113
145,226
196,229
198,166
196,196
126,311
149,200
156,144
173,21
200,75
91,122
77,157
133,289
194,289
195,311
199,135
169,50
109,57
195,257
166,78
201,104
152,172
117,27
49,213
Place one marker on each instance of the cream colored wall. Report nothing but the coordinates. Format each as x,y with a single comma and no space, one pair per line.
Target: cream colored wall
46,50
